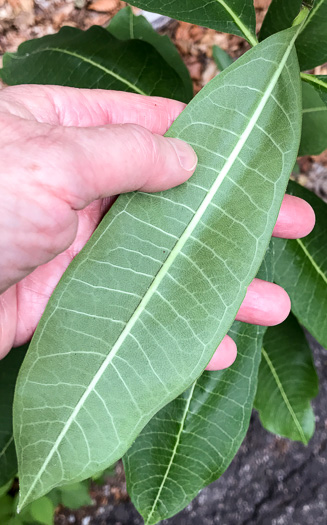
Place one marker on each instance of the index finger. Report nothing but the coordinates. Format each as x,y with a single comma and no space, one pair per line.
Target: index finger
66,106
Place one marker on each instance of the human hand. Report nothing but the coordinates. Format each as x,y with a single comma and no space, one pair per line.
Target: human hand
65,152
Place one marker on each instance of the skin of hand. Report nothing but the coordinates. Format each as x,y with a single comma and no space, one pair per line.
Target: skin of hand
64,153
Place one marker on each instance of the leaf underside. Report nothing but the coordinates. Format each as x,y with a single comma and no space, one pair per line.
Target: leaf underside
191,441
287,382
141,309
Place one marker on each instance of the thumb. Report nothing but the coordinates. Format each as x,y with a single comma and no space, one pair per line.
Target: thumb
119,158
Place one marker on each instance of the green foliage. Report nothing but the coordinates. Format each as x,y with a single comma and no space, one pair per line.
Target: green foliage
126,26
230,16
72,496
319,82
311,45
145,304
222,59
301,268
314,123
166,241
191,441
42,510
93,59
280,15
8,374
287,382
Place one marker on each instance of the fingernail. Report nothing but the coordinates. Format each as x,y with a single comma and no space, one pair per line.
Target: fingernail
186,155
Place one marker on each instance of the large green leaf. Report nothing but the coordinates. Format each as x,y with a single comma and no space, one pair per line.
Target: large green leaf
314,122
319,82
229,16
280,15
190,442
141,309
311,45
125,25
93,59
287,382
301,268
9,367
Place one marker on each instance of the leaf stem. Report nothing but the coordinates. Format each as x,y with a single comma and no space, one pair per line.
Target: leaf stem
313,80
301,17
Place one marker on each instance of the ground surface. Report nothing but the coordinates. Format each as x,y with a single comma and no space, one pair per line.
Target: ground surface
271,481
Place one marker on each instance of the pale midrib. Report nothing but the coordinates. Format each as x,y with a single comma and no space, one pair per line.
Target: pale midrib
7,445
131,23
169,261
246,32
94,64
178,439
311,259
312,13
284,395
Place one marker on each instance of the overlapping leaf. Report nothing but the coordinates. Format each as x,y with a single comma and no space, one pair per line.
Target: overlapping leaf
125,25
142,308
311,45
301,268
314,122
319,82
287,382
229,16
190,442
222,59
9,367
280,15
93,59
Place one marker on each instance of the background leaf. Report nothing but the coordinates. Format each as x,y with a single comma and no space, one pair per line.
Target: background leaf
280,15
75,495
319,82
93,59
229,16
301,268
42,511
190,442
287,382
9,367
7,509
314,122
145,304
125,25
222,59
311,44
